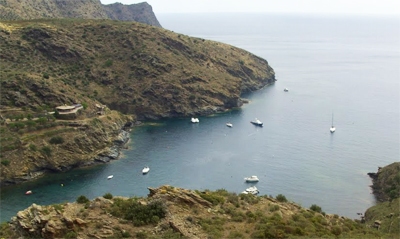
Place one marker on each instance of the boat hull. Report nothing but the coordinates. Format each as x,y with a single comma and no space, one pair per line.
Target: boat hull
257,123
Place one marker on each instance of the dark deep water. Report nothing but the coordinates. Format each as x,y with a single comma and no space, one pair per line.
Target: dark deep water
346,65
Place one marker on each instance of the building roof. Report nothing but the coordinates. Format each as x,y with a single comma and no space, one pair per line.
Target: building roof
65,107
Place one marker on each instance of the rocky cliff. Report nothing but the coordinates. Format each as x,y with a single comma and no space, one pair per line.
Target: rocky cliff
386,182
85,9
170,212
140,12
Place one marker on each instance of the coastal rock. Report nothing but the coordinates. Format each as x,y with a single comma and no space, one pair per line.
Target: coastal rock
186,213
386,183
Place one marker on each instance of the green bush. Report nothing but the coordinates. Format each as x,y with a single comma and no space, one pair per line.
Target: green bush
57,140
71,234
213,197
139,214
5,162
316,208
281,198
108,196
46,150
82,199
32,147
46,75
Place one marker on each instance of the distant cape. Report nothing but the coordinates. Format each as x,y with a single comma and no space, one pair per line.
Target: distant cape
85,9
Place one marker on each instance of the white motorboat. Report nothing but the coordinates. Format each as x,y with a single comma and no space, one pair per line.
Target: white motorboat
286,89
195,120
257,122
110,177
251,190
230,125
252,179
332,129
145,170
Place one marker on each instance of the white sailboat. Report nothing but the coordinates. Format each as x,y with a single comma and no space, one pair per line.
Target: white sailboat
332,129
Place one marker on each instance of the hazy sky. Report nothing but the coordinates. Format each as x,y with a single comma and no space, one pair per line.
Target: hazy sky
296,6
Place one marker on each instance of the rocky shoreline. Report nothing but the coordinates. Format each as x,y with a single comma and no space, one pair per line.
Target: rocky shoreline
385,182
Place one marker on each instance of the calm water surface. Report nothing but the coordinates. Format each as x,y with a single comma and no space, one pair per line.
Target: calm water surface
345,65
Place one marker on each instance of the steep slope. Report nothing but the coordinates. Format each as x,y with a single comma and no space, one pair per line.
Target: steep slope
131,67
140,12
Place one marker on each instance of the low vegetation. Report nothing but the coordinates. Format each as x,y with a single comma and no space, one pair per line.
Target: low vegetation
178,213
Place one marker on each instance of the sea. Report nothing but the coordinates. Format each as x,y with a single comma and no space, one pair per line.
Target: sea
338,68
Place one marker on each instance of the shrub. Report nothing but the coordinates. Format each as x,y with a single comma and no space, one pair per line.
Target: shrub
82,199
108,196
84,105
71,234
336,230
281,198
56,140
108,63
126,234
139,214
316,208
5,162
274,208
212,197
46,150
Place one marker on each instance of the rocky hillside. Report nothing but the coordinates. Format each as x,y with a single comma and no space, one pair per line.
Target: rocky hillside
170,212
85,9
138,70
128,66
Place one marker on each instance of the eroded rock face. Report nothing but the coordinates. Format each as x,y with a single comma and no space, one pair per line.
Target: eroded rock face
179,195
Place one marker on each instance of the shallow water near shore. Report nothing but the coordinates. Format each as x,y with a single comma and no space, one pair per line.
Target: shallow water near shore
327,66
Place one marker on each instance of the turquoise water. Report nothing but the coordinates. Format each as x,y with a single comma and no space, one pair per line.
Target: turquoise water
349,66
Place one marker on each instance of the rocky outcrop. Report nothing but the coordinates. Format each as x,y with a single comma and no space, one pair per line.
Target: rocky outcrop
140,12
386,182
178,195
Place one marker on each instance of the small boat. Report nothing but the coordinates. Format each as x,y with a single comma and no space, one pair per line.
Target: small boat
252,179
28,192
257,122
110,177
145,170
286,89
195,120
230,125
251,190
332,129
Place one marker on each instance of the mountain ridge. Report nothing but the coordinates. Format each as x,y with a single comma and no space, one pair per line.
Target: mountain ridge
84,9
